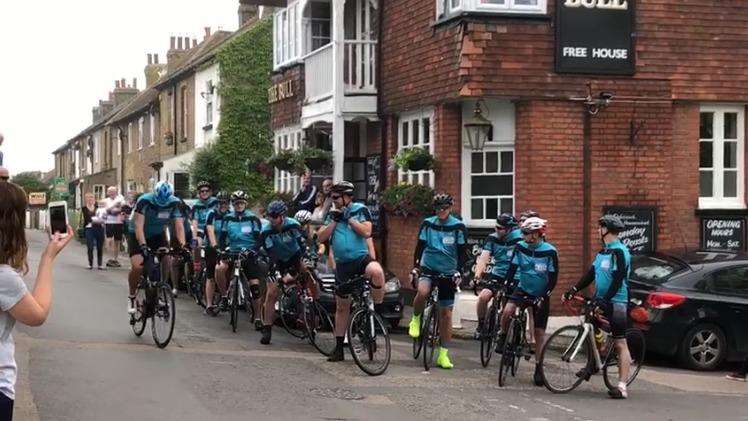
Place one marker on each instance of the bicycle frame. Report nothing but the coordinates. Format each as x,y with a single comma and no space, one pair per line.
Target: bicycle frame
587,328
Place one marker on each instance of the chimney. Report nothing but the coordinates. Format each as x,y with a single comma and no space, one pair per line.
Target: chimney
123,83
194,42
247,12
176,52
123,93
173,43
135,83
150,59
155,59
207,33
116,84
179,43
153,70
95,114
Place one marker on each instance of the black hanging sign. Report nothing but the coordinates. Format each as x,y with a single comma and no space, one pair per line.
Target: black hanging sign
723,233
595,37
641,227
373,190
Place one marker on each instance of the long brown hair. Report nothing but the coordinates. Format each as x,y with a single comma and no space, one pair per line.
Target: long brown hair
13,246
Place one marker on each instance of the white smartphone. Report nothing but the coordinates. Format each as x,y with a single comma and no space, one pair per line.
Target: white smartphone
58,217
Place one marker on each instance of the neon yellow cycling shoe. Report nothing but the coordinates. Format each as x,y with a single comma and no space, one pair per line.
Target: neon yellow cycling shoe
443,359
414,328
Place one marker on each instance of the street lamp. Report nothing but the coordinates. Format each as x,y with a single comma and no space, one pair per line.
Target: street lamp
479,129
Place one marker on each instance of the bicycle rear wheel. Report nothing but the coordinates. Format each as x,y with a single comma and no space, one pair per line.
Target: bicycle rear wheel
139,319
637,348
162,322
488,335
234,304
565,359
430,335
508,353
320,329
291,310
369,349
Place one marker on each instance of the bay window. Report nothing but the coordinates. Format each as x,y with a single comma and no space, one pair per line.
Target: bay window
287,35
448,8
721,163
415,130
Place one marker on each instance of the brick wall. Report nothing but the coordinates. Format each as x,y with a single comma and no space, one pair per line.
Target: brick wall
137,162
287,112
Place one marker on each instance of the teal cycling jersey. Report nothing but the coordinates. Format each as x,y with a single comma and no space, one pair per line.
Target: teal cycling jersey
501,250
442,240
347,245
200,211
241,231
537,267
615,257
215,219
156,216
285,243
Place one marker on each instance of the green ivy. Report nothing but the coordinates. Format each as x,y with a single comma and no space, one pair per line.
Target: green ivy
244,133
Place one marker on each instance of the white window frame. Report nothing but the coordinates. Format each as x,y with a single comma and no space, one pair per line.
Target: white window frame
98,191
152,117
503,118
718,201
287,35
284,139
425,177
129,137
96,151
445,8
141,123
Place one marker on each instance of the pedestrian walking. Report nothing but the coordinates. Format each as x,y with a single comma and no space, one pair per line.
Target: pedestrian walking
114,225
93,227
16,302
741,374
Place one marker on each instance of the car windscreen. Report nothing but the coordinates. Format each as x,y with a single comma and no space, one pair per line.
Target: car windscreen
654,270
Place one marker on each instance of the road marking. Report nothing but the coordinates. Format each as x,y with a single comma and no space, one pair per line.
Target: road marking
554,405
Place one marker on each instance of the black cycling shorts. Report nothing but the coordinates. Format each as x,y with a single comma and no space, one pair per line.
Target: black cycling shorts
617,315
447,287
539,314
290,267
345,271
153,243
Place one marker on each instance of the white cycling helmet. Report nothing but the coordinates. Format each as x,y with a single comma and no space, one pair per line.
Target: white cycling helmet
303,216
534,224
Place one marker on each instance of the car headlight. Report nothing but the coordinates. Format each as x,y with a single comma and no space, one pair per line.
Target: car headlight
393,285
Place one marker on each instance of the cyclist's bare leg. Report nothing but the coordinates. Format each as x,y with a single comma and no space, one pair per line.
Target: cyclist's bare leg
483,298
445,326
271,298
376,274
342,312
173,271
506,314
624,359
424,289
209,292
136,270
539,341
221,281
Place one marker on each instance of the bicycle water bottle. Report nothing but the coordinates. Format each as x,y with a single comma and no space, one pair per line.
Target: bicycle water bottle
600,340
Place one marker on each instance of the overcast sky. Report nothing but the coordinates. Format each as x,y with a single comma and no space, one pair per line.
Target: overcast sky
58,58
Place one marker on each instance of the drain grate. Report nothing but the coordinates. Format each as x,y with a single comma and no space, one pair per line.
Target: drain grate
336,393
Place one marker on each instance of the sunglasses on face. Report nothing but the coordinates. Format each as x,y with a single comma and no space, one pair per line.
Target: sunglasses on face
274,216
335,196
442,209
204,191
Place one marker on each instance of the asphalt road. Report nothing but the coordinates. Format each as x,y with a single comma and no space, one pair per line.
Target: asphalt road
86,364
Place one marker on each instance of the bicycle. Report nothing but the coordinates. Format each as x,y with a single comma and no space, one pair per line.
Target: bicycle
430,332
239,293
154,299
516,346
366,329
302,316
492,322
572,354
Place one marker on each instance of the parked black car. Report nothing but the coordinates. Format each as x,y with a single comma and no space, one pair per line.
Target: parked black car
697,303
392,305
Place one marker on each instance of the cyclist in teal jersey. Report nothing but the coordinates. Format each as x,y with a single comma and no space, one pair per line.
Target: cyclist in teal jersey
199,215
213,228
153,213
610,273
348,228
498,246
535,263
440,253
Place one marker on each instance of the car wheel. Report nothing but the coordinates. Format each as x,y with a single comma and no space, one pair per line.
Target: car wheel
703,348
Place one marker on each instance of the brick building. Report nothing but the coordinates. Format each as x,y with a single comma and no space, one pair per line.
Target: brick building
667,150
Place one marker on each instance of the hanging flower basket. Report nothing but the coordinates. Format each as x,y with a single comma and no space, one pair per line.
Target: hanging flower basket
287,160
415,159
315,159
169,138
406,200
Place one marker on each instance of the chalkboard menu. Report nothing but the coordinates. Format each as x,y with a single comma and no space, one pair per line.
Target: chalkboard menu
373,190
640,234
723,233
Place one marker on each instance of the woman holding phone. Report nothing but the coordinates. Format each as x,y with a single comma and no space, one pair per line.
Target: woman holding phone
16,302
94,229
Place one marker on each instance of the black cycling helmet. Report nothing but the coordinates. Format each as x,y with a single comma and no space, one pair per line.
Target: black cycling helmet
277,208
222,196
528,214
506,221
204,184
343,187
613,223
442,200
239,195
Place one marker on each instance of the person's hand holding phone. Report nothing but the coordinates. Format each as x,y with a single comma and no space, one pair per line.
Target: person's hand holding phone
57,242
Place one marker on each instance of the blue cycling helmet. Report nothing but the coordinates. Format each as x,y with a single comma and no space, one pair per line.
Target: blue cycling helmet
276,208
162,192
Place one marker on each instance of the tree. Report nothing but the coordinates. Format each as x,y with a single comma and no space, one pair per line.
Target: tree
31,181
205,166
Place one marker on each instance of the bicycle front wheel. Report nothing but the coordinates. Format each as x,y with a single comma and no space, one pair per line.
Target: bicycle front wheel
369,342
637,348
139,319
430,335
488,335
162,323
291,311
234,305
565,359
508,353
320,329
